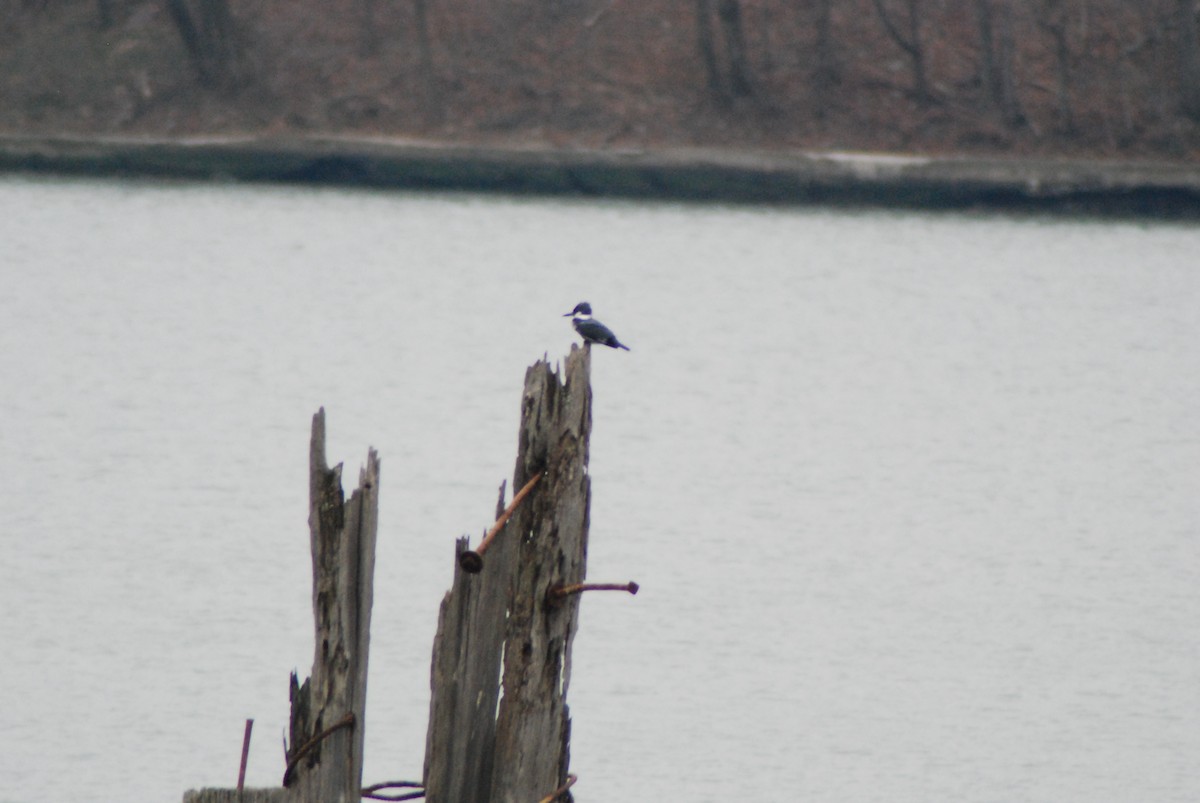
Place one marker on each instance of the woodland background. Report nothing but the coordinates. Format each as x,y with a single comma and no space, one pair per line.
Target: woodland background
1093,78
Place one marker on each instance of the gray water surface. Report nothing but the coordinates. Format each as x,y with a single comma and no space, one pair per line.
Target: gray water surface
912,499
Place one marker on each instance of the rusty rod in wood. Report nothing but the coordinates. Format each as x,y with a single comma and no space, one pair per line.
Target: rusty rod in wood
345,722
556,594
245,754
472,560
560,791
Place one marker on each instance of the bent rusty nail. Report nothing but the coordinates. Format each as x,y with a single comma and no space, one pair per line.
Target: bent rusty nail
556,594
560,791
472,560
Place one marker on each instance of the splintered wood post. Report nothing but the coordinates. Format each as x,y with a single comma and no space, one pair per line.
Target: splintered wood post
328,711
465,679
533,727
483,745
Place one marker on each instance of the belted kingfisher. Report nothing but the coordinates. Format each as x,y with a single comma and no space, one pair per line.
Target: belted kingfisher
590,329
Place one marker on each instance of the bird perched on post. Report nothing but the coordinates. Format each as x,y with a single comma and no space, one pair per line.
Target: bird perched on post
590,329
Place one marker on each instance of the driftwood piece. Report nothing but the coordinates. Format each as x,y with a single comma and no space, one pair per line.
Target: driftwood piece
483,746
328,711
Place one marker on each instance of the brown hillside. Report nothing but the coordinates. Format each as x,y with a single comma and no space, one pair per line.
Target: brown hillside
1079,77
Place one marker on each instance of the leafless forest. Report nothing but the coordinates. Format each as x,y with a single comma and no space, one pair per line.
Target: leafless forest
1104,78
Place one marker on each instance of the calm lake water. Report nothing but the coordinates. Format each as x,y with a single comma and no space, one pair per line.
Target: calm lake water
913,499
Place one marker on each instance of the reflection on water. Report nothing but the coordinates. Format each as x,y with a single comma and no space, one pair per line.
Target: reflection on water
911,498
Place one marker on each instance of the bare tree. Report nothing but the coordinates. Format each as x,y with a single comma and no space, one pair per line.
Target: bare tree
730,79
706,41
423,38
908,37
828,71
1052,18
828,68
729,12
212,40
997,71
1189,59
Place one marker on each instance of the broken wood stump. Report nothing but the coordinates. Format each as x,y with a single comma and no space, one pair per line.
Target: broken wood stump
496,629
499,725
325,749
324,755
328,717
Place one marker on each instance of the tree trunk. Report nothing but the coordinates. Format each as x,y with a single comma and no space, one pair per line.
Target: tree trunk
211,38
729,12
424,45
1053,19
708,49
827,74
997,60
987,50
1189,60
1008,100
910,42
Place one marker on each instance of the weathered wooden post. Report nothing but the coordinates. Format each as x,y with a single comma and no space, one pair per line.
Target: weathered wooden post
499,726
475,753
324,759
466,679
533,726
328,716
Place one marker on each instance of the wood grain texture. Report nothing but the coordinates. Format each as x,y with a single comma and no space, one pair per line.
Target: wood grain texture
342,536
499,724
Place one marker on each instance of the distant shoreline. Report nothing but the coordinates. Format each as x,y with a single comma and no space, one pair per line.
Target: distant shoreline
1071,186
